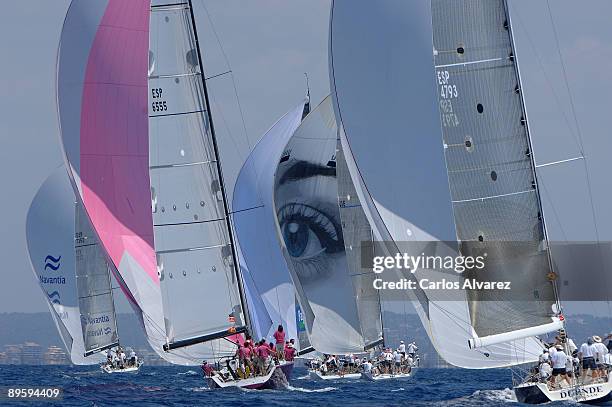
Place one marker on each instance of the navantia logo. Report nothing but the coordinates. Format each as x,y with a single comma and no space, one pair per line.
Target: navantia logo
52,262
95,320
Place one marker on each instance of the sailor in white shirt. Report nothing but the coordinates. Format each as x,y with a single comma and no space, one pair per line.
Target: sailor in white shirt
600,354
366,366
388,360
559,362
587,354
402,348
412,348
545,370
545,356
397,356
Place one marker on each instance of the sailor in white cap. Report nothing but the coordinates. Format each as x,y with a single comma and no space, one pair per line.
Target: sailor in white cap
600,355
402,348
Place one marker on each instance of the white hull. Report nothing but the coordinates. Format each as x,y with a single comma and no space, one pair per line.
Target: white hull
385,376
536,393
281,371
128,369
317,375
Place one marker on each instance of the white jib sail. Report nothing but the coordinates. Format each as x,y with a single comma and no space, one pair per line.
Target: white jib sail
254,221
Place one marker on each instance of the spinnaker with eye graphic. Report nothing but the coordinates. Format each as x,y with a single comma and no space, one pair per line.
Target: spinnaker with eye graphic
454,161
256,230
338,317
71,270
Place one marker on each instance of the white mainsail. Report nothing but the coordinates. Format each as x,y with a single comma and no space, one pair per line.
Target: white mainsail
50,233
402,178
256,229
309,224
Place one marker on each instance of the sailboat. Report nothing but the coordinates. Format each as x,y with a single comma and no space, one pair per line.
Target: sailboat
109,64
467,150
73,273
317,230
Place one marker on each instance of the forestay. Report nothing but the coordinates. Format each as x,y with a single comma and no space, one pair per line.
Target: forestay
194,255
50,231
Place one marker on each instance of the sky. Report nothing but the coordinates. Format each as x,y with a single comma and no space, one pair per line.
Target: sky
269,44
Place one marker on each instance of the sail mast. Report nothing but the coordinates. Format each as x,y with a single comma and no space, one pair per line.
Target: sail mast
243,302
519,90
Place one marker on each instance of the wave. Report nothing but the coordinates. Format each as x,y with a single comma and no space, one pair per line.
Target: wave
487,397
303,390
188,373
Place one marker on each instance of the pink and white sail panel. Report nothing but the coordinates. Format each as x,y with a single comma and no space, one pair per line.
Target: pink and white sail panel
102,104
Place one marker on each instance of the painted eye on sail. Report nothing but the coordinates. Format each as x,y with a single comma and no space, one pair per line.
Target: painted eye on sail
300,240
308,231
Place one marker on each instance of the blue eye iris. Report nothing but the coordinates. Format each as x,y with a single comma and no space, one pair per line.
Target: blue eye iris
296,237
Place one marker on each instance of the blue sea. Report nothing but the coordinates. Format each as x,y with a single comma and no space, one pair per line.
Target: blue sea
184,386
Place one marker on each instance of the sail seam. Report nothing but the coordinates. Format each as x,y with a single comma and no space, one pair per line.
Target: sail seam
484,198
188,223
157,167
482,61
177,114
191,249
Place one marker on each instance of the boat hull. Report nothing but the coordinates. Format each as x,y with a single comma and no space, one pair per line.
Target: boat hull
316,375
537,393
129,369
278,375
369,376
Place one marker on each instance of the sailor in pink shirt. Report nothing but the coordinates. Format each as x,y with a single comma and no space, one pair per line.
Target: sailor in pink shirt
263,351
279,336
289,351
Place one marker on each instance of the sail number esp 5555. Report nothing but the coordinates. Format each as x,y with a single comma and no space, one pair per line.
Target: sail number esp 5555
158,105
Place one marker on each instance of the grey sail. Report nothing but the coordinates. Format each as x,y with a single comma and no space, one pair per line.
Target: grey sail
357,237
488,156
201,294
94,287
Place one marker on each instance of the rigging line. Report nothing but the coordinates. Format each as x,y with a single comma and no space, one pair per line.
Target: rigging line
549,81
247,209
559,162
212,26
569,92
217,75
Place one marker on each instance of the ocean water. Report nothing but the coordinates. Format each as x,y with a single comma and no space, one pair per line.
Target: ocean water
184,386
